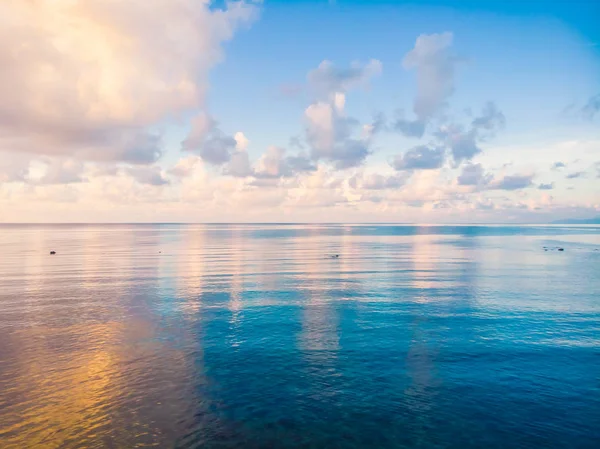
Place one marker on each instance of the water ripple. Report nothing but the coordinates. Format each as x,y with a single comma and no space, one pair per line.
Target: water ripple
251,336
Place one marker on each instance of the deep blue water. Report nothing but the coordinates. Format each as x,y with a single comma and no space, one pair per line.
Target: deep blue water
251,336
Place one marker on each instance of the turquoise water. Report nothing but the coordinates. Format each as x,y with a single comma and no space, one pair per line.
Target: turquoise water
253,336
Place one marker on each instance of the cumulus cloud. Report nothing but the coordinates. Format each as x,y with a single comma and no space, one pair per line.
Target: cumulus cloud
375,181
376,126
512,182
575,175
275,164
558,165
152,176
241,141
14,168
491,118
435,66
208,141
548,186
474,175
485,205
327,79
464,143
91,78
331,135
59,171
185,166
409,128
420,158
239,165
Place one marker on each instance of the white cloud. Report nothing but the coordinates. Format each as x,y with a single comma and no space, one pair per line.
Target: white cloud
62,171
512,182
376,181
90,78
14,167
152,176
239,165
327,79
474,175
186,166
207,140
435,66
420,158
241,141
330,135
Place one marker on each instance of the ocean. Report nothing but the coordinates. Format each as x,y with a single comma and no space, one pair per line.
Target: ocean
258,336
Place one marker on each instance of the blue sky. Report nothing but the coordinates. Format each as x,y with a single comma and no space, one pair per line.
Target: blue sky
219,85
532,62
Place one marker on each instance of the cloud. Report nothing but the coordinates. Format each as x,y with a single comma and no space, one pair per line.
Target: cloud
274,164
464,143
104,170
491,119
329,134
558,165
185,167
375,127
58,171
91,79
409,128
435,67
464,147
14,167
241,141
548,186
239,165
592,107
512,182
207,140
148,176
474,175
485,205
298,164
575,175
296,142
327,80
376,181
420,158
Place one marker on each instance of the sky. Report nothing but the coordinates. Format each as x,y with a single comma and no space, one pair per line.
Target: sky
299,111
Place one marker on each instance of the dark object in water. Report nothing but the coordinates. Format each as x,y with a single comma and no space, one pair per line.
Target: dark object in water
52,252
561,249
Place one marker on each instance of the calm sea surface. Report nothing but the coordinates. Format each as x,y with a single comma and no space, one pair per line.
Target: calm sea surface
251,336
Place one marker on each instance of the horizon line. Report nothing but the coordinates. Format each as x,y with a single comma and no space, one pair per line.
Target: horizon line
300,223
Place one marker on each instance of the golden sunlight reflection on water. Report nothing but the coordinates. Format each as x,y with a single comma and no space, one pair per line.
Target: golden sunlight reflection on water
166,335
